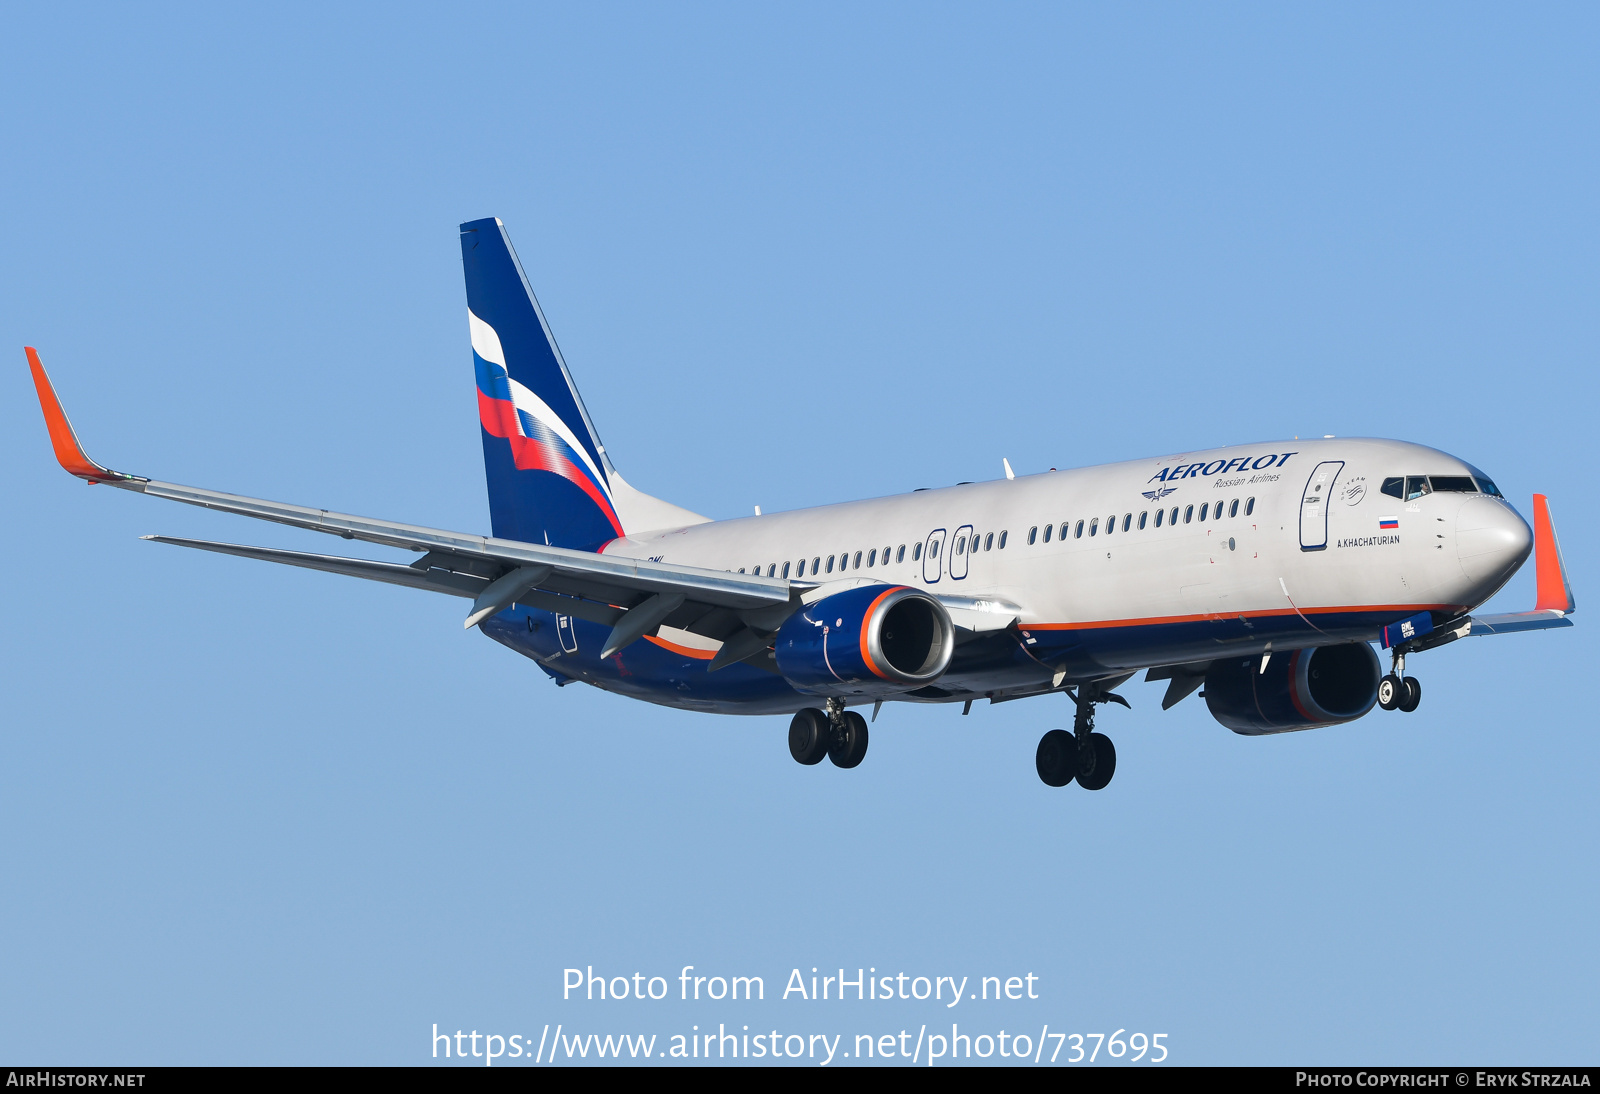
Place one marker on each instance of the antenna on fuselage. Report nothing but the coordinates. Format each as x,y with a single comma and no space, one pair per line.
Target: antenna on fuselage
1010,474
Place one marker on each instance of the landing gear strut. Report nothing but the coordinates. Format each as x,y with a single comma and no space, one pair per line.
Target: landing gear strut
1398,691
1082,754
838,734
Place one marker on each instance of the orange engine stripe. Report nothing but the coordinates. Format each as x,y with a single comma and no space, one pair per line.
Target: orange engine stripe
866,621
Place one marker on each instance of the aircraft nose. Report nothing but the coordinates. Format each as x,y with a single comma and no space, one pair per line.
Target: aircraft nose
1491,540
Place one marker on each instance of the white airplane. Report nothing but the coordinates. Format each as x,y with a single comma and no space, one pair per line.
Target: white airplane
1263,572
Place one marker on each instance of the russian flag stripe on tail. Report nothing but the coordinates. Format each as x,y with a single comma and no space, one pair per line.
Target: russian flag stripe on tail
549,479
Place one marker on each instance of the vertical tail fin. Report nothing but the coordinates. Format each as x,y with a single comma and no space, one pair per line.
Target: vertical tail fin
549,479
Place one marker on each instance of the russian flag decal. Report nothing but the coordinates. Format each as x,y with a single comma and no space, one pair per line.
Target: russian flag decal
1389,522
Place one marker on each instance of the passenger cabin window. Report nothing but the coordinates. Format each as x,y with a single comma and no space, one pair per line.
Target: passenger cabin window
1159,514
830,564
1173,518
1003,536
1065,526
1454,484
1077,532
916,552
1233,508
1111,524
1249,506
1188,514
1203,509
900,555
857,563
872,558
933,551
988,542
816,563
1048,528
886,556
1416,486
772,571
1127,521
1394,487
1094,526
1142,517
1033,534
785,569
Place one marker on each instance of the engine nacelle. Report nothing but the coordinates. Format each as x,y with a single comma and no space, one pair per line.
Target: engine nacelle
1301,689
874,640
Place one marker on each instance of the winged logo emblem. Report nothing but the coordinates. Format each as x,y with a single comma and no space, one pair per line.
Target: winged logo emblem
1157,495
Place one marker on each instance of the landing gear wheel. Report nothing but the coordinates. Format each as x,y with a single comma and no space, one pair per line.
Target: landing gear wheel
1097,763
848,745
1057,758
1390,692
808,736
1412,696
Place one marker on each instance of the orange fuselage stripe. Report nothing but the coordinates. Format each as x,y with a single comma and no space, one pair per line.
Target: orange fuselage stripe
1156,620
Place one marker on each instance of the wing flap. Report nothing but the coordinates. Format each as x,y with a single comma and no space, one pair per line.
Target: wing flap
432,579
581,573
394,573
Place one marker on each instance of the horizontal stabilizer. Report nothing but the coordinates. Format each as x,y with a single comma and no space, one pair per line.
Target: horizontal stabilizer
1512,622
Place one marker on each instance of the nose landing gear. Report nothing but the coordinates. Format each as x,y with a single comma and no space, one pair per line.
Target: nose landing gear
1083,754
1398,691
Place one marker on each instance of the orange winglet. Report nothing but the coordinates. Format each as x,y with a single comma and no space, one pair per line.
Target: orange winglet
62,438
1555,594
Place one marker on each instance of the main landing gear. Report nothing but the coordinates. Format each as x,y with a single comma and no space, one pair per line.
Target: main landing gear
1398,691
837,733
1082,754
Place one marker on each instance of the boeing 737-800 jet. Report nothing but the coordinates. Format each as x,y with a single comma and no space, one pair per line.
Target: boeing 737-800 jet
1264,573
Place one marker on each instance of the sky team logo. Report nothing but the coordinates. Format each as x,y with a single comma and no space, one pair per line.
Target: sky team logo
540,440
1157,495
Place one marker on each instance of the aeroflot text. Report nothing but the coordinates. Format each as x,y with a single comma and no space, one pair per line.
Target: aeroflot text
1221,467
865,984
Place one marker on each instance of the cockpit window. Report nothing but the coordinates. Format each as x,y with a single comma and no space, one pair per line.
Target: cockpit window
1416,486
1488,487
1454,484
1395,488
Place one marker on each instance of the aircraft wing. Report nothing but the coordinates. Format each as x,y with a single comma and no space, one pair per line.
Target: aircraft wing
635,596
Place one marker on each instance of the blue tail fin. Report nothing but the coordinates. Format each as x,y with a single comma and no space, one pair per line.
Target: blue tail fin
549,479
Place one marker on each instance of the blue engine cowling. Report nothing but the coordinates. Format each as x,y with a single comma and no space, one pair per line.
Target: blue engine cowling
872,641
1301,689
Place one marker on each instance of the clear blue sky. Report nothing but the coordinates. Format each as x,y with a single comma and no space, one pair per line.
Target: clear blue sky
254,814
